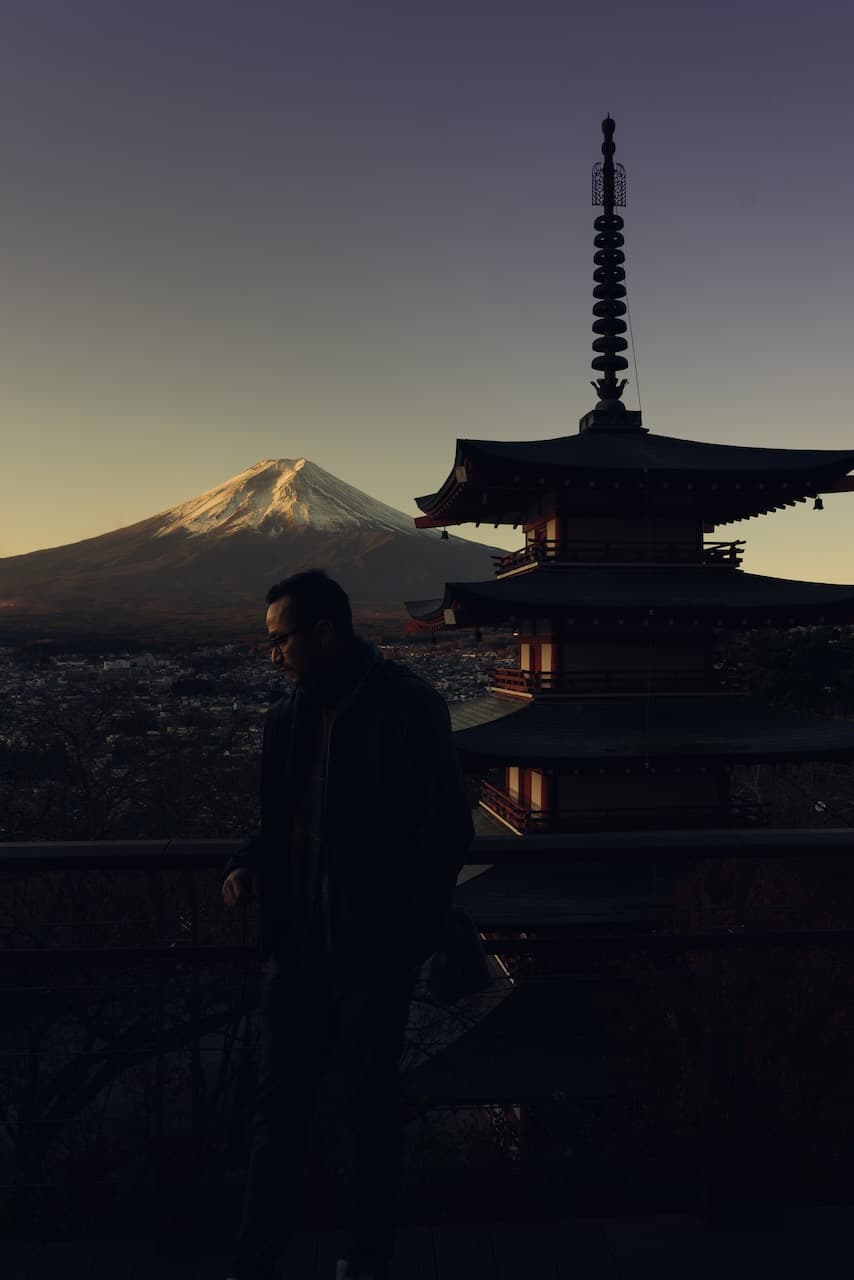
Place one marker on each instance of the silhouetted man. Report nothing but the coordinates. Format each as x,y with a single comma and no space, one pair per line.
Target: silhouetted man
364,828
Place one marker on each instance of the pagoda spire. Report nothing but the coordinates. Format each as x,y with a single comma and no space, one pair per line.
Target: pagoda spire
609,191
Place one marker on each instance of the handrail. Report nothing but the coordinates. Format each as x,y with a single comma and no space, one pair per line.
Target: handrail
36,967
709,842
493,944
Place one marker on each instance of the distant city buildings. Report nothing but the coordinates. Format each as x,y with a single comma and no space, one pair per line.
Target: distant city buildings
224,722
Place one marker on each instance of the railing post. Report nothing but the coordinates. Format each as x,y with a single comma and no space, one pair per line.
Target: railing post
706,1126
159,1080
198,1118
738,1093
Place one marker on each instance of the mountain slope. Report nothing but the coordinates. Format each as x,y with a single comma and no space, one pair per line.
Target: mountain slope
207,562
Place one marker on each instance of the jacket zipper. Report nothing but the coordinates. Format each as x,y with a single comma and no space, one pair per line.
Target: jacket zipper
324,885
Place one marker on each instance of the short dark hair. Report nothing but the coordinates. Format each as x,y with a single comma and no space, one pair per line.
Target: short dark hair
315,596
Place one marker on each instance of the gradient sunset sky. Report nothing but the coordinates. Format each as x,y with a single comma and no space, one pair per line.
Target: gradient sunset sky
355,231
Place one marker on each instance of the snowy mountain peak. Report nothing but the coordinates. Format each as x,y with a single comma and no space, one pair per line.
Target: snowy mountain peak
280,495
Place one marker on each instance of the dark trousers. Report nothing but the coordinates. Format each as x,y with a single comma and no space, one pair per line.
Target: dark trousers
310,1007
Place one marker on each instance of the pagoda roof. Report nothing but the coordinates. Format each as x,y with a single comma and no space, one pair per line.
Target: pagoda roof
506,1057
493,730
489,479
720,591
610,892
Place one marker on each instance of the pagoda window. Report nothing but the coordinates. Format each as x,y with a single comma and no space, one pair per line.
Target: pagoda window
547,657
540,783
531,656
513,781
536,789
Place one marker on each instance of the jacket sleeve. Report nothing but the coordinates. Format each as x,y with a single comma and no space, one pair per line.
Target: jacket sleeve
252,851
442,830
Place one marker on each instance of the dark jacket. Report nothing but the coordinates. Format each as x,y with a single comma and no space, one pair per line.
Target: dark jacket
396,822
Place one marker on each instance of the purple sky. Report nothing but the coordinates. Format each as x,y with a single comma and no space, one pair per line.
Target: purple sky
356,231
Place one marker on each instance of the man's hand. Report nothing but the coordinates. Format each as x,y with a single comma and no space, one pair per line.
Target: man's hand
239,883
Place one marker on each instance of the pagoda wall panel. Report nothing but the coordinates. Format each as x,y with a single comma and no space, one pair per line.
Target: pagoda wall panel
682,534
512,782
681,654
536,508
540,626
543,527
663,789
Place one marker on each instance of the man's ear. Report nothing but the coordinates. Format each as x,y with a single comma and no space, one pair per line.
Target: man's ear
324,631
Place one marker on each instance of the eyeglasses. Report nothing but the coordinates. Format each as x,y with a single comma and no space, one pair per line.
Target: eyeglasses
282,638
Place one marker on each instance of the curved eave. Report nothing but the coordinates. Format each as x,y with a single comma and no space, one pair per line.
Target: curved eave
622,732
432,503
427,615
728,595
491,479
416,626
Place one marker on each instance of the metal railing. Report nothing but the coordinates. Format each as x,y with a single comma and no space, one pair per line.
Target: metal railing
178,988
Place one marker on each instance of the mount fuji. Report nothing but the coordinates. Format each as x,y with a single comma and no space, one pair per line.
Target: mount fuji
279,496
203,567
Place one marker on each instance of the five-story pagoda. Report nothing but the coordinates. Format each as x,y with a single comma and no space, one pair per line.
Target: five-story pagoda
615,717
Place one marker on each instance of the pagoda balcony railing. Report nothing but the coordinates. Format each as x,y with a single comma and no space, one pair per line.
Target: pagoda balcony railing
728,553
606,552
569,683
132,1034
530,821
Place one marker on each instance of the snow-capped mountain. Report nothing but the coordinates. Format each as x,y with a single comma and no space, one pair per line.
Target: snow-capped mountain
203,567
279,495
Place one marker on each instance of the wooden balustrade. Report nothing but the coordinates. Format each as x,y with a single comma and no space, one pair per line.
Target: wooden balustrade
608,552
529,821
515,680
729,553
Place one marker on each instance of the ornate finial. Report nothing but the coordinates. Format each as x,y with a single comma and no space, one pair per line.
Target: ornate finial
609,190
609,179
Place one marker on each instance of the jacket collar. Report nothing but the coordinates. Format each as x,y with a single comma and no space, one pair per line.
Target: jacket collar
360,665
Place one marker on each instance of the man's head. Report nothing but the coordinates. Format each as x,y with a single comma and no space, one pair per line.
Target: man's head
309,615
